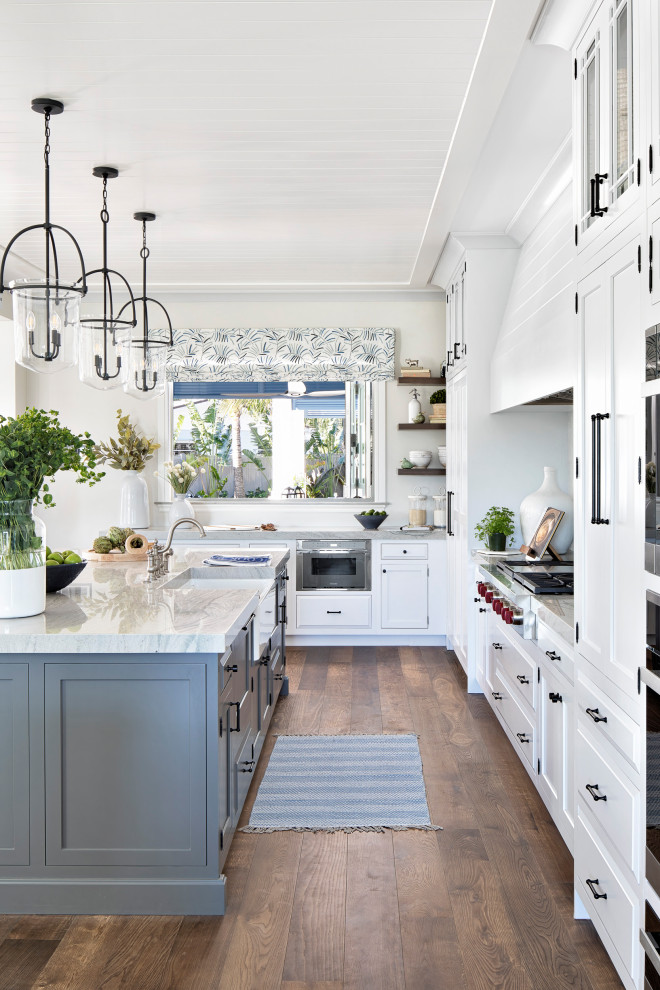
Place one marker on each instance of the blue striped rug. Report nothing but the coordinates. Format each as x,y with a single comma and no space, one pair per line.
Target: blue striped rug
342,783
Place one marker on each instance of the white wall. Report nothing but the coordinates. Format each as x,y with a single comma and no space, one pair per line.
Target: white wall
81,512
536,352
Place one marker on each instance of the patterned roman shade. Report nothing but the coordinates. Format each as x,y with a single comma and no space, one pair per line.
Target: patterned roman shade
264,354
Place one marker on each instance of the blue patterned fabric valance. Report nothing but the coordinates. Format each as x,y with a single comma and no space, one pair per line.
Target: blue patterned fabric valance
267,354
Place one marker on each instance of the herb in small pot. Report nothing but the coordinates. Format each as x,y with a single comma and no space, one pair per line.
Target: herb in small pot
496,526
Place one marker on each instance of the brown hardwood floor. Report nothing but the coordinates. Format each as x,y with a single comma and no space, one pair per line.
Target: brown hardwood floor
486,903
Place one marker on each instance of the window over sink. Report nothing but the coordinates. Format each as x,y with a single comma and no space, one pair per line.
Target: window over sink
274,440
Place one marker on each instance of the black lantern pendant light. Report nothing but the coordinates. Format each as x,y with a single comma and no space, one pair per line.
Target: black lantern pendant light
46,311
102,336
143,371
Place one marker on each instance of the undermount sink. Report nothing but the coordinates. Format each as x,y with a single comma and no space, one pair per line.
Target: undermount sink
205,578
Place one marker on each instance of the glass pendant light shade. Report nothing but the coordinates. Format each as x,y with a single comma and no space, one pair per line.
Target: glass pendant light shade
46,318
145,368
104,334
46,311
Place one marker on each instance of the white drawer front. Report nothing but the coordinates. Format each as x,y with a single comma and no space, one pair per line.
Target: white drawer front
520,725
612,799
618,911
559,654
404,551
602,719
520,670
345,611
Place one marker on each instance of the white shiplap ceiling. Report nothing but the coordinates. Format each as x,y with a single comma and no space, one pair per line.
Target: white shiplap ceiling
281,142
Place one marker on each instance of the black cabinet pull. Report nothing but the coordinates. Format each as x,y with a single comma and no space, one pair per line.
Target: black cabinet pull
483,609
592,788
650,263
593,470
522,737
552,655
554,697
595,715
450,531
497,646
476,600
405,551
594,185
496,695
457,356
522,678
591,884
336,611
248,766
238,716
233,668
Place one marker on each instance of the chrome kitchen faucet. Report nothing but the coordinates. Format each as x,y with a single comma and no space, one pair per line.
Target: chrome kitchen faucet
158,556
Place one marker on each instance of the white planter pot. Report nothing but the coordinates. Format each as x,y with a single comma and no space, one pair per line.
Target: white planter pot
181,508
134,506
22,592
533,507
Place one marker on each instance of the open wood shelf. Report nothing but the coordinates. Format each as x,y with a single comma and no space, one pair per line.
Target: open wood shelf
422,426
421,471
403,380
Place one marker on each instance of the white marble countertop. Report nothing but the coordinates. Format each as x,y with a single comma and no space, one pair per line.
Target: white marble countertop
110,609
191,535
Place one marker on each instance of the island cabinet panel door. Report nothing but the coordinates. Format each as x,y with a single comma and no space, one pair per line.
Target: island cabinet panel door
125,755
14,765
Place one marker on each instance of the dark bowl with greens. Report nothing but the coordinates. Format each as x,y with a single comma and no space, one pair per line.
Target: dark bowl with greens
61,576
370,519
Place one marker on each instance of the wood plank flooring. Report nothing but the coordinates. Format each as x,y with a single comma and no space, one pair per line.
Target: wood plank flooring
485,904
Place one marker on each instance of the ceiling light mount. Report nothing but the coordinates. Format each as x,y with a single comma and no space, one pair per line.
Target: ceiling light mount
46,311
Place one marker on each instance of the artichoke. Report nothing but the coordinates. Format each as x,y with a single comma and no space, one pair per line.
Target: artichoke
127,532
102,545
116,536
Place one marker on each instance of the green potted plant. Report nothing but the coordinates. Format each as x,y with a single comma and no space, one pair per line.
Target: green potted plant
33,448
496,527
129,453
438,401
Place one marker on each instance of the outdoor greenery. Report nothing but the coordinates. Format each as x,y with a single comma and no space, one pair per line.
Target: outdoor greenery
497,520
34,447
216,452
130,451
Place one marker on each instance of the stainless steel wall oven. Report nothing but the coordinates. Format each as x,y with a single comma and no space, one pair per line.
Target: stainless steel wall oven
330,564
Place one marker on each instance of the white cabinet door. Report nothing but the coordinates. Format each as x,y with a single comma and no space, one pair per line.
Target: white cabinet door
556,750
404,595
650,37
609,533
481,640
607,164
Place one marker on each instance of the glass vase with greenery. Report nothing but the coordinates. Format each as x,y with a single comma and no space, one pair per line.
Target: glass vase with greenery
33,448
496,527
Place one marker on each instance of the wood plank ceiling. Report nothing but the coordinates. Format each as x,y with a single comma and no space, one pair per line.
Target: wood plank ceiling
282,143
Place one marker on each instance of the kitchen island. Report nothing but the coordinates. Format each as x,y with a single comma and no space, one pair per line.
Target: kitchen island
131,719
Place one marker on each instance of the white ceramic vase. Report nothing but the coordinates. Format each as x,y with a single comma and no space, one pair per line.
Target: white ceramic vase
181,508
22,592
134,506
533,506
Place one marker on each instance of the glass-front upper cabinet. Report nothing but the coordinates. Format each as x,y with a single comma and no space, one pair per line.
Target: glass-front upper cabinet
607,122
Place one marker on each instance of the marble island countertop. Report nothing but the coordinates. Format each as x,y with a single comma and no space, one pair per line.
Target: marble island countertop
110,609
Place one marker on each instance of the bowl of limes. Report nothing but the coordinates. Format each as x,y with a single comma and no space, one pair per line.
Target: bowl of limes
371,519
62,567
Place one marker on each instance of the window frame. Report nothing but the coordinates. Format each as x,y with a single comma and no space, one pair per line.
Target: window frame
165,453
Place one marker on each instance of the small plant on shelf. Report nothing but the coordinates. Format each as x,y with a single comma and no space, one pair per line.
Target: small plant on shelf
496,527
439,397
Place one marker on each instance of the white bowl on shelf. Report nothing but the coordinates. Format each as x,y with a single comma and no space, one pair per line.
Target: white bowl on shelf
420,458
442,456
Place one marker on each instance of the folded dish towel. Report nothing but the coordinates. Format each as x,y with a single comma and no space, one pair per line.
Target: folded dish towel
221,559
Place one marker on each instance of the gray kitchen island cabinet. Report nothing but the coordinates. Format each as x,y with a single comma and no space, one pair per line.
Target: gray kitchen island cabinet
127,744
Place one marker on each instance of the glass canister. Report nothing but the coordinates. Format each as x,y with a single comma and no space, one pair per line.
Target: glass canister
417,510
440,511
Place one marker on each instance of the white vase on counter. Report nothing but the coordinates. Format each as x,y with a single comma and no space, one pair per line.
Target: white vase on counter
134,504
181,508
533,507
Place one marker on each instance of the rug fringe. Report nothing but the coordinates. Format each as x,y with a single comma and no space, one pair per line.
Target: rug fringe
348,828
